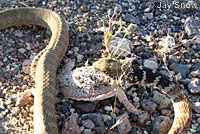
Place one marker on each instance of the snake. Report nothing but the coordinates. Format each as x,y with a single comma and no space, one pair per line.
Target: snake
45,82
49,59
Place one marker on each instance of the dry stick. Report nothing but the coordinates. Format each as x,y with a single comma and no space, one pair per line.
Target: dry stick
115,101
23,3
121,119
108,35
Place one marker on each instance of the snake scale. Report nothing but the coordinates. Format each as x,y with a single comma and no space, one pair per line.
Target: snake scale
44,100
49,59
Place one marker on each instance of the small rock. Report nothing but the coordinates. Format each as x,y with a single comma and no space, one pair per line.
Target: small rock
149,105
99,130
192,130
194,86
142,118
32,109
71,125
130,18
167,43
99,24
149,38
19,34
22,50
124,4
193,73
147,10
88,124
85,107
194,126
106,117
150,64
118,44
134,1
198,121
8,101
173,58
144,55
68,66
166,112
192,27
72,110
84,8
132,28
149,15
196,107
24,98
82,29
1,63
136,43
2,79
161,99
108,108
198,130
170,41
1,93
176,18
82,128
179,68
139,49
124,126
136,99
87,131
79,57
28,46
161,125
110,12
26,63
2,106
178,76
183,81
97,119
26,69
109,123
163,16
63,106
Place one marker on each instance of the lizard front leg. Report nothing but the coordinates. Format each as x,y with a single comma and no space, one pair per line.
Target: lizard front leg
129,106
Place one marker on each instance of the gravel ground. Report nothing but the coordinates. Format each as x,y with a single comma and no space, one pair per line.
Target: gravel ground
150,28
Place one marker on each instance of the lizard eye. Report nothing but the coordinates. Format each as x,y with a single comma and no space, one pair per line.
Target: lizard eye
132,77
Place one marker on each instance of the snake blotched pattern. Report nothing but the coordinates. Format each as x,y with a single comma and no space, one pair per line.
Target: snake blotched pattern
50,57
45,91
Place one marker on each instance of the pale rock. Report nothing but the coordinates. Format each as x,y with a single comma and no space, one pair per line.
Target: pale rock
161,125
124,125
142,118
71,125
88,123
194,86
108,108
24,98
120,47
161,99
150,64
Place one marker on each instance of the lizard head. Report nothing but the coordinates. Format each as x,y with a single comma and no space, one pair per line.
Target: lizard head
108,66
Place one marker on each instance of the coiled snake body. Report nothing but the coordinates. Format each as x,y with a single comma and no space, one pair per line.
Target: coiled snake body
45,91
45,76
